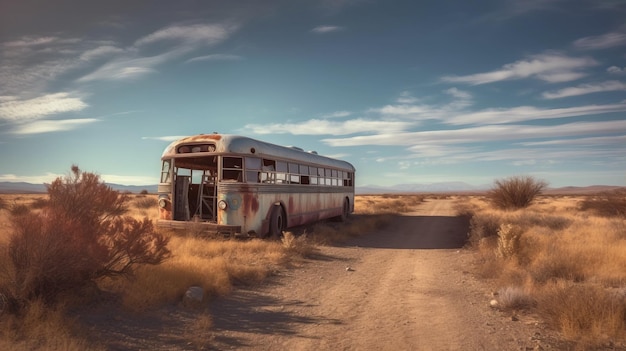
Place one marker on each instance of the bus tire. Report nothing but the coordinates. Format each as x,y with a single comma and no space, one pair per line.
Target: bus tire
277,223
345,212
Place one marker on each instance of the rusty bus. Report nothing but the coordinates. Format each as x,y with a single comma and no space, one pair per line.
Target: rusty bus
236,185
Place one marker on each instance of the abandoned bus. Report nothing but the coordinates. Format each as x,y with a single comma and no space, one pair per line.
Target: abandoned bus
236,185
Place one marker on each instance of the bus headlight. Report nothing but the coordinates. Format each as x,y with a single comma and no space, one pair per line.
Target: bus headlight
162,202
222,205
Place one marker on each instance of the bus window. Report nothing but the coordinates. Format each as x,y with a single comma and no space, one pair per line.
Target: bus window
293,168
253,163
294,179
281,172
165,171
232,168
269,171
253,167
313,180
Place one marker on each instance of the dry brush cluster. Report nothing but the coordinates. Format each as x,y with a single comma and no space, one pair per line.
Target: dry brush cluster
559,257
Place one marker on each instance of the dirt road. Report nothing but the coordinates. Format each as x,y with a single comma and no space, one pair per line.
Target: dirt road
407,287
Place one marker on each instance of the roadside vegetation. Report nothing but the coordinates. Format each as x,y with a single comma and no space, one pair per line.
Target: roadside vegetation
83,243
562,257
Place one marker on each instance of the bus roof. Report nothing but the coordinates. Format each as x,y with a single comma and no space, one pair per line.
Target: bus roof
236,144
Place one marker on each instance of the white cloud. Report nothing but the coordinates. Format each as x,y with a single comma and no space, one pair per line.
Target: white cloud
406,98
619,140
584,89
16,110
549,67
215,57
326,29
616,70
100,52
527,113
327,127
166,137
179,40
128,179
481,134
203,34
37,179
47,126
604,41
337,114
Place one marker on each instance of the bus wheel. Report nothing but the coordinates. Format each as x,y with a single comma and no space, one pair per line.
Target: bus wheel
277,223
346,211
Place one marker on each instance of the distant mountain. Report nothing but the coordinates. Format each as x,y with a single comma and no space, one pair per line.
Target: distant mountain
29,188
21,188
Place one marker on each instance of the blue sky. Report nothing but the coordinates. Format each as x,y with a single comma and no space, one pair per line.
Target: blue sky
407,91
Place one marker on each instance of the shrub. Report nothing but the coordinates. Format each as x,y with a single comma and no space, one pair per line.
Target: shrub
81,236
514,297
583,312
508,240
3,204
608,204
144,192
39,203
483,226
299,245
515,192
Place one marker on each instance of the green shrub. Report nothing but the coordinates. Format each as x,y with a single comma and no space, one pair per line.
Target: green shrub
515,192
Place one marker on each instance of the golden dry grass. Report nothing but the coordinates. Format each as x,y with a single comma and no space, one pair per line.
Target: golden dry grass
217,265
566,264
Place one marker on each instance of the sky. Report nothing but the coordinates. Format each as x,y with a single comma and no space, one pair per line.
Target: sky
407,91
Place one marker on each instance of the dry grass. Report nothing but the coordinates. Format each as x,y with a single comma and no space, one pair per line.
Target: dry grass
557,260
42,328
217,265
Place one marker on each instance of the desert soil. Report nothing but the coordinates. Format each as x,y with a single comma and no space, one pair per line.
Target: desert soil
408,286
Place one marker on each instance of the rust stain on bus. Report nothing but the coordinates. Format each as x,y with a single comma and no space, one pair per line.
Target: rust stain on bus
202,137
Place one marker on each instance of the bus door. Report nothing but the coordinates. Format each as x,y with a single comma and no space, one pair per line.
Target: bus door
181,198
206,203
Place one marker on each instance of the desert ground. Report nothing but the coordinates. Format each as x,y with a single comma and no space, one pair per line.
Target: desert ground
406,287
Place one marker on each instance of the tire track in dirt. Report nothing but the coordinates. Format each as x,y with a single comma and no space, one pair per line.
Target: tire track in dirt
407,288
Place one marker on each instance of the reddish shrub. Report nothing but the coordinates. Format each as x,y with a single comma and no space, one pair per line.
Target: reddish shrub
79,237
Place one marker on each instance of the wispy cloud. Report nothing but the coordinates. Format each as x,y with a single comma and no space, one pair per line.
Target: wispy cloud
37,179
326,29
165,138
481,134
198,34
337,114
584,89
616,70
410,110
173,41
604,41
528,113
13,109
215,57
548,67
128,179
47,126
328,127
592,141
